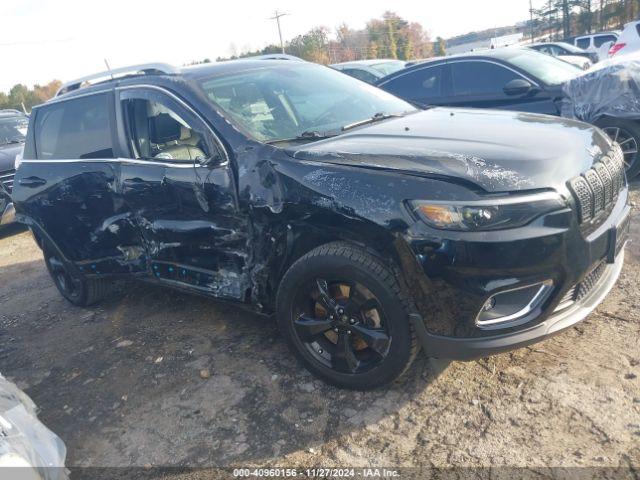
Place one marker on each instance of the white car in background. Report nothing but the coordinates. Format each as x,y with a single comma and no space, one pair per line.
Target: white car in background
628,41
580,62
599,43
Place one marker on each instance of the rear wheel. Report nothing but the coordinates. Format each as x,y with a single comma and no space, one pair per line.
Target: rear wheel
627,134
73,286
343,314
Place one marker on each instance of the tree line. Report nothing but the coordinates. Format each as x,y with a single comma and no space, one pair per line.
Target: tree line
388,37
562,19
20,96
392,36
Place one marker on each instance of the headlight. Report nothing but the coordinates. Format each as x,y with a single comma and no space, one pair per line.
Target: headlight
494,214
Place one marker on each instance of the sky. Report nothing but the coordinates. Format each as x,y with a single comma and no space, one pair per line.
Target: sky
65,39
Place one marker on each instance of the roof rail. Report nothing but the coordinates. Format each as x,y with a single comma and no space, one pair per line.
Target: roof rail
145,68
10,110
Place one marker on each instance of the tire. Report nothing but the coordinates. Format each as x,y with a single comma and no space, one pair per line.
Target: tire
73,286
629,132
370,282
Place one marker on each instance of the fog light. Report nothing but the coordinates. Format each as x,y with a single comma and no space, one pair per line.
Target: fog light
489,304
516,305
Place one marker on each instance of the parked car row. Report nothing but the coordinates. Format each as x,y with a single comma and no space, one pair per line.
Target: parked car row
568,53
13,129
521,79
370,71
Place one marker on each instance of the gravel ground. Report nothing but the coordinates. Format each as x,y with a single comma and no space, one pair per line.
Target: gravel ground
123,384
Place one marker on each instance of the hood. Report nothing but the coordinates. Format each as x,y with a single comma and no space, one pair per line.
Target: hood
499,151
8,155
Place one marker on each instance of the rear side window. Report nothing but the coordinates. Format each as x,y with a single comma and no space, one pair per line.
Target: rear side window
602,39
583,43
638,28
423,84
480,78
74,129
361,75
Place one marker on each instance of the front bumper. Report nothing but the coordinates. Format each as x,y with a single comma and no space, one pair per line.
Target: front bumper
471,348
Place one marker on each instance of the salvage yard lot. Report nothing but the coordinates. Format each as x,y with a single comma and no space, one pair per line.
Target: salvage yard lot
122,384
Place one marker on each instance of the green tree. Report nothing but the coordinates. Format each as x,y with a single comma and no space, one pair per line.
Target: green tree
20,95
440,48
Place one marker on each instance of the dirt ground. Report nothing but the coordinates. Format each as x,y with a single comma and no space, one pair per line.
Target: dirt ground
120,383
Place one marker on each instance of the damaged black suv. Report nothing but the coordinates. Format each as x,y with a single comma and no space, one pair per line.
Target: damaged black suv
369,228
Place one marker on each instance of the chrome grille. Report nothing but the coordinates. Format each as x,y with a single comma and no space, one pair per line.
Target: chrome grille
597,187
6,178
596,190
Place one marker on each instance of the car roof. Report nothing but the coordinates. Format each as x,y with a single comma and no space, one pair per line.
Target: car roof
10,112
548,43
191,72
366,63
609,32
500,54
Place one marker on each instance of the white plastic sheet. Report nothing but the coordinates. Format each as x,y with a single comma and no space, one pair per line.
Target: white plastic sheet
609,88
28,449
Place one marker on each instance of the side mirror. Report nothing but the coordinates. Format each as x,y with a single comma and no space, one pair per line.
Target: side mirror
518,86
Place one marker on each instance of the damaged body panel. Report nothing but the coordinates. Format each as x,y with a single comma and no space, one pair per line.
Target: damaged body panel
241,182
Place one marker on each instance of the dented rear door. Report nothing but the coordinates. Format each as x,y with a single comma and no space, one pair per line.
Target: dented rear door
66,188
180,186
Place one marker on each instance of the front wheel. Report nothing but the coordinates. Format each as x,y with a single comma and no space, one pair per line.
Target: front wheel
73,286
344,316
627,134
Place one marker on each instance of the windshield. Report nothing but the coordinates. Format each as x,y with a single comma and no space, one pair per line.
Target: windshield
280,102
571,48
550,70
13,130
387,68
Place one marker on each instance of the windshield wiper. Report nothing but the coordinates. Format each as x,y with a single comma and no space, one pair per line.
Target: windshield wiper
376,118
306,135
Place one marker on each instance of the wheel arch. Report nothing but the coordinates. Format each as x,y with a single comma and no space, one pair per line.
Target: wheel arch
309,233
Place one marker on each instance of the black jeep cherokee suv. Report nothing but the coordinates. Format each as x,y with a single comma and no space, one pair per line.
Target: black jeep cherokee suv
369,228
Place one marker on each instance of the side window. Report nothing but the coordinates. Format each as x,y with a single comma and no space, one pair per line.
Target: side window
361,75
602,39
420,84
555,50
74,129
159,128
480,78
583,43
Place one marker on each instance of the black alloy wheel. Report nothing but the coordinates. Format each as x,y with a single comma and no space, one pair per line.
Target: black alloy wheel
346,318
342,325
71,284
68,283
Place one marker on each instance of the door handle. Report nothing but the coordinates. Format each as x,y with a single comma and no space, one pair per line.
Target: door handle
133,181
32,182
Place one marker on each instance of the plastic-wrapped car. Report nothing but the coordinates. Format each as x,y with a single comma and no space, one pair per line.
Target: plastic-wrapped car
609,96
28,449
